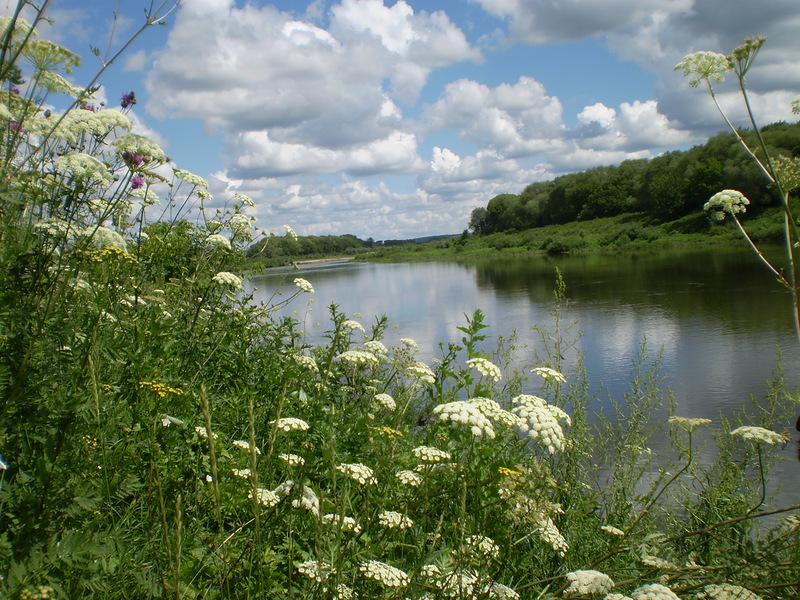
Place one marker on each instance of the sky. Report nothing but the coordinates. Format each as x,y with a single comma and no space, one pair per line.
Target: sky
395,119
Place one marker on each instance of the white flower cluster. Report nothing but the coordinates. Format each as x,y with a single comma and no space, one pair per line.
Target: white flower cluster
482,545
290,424
612,530
704,66
654,591
218,240
466,414
78,122
394,520
358,472
358,357
228,279
308,500
133,144
266,497
495,412
429,454
84,167
727,591
304,285
344,523
410,344
549,374
244,445
106,238
409,478
201,431
243,473
191,178
245,200
725,202
550,534
384,574
377,347
318,571
293,460
422,372
459,584
760,435
540,421
659,563
589,582
386,401
687,423
290,232
501,592
486,368
352,325
304,360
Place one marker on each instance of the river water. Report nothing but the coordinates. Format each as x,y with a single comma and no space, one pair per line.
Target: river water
716,316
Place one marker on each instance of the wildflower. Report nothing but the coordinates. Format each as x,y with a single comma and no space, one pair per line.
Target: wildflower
394,520
687,423
304,285
759,435
386,401
266,497
430,455
726,202
549,374
612,530
466,414
653,591
659,563
201,431
506,472
727,591
245,200
422,372
149,197
227,279
616,597
589,582
84,166
128,99
290,424
539,422
137,182
359,473
482,545
160,389
502,592
243,473
217,240
384,574
54,82
316,570
410,344
293,460
352,325
306,361
290,232
389,431
239,223
376,347
358,357
409,478
704,66
486,368
133,160
191,178
495,412
459,584
344,523
344,592
133,143
244,445
550,534
307,500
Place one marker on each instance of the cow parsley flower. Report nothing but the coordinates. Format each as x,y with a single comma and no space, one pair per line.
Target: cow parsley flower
386,401
133,143
486,368
687,423
549,374
227,279
495,412
304,285
421,372
430,455
245,445
728,202
344,523
796,105
352,325
410,344
704,66
502,592
482,545
468,415
243,473
307,362
539,422
359,473
191,178
759,435
290,424
654,591
409,478
394,520
384,574
201,431
358,357
217,240
239,224
550,534
266,497
245,200
589,582
84,167
293,460
316,570
308,500
727,591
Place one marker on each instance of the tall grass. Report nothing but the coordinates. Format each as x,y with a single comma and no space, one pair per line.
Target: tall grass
165,437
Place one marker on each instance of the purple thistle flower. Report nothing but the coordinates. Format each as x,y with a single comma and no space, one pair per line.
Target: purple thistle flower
14,90
128,99
137,181
134,160
16,126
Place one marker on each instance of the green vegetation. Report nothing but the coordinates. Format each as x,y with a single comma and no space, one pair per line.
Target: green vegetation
275,251
163,437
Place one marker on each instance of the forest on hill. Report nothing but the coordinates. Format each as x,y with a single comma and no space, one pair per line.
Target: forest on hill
665,188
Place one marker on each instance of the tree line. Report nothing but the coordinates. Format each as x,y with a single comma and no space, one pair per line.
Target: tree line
665,188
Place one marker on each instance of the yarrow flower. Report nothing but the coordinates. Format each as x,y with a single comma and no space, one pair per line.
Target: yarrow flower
486,368
704,66
217,240
466,414
386,401
550,534
394,520
482,545
266,497
759,435
429,454
201,431
293,460
422,372
359,473
549,374
589,582
384,574
654,591
358,357
409,478
245,445
224,278
344,523
304,285
729,202
727,591
316,570
290,424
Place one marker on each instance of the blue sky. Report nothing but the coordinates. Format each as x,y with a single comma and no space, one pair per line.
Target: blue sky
395,119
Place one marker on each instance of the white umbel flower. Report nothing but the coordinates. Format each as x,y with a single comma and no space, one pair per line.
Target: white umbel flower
468,415
589,582
384,574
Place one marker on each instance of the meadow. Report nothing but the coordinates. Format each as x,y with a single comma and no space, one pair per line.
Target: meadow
162,436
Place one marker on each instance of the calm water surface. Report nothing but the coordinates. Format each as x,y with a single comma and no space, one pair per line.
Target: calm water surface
716,315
